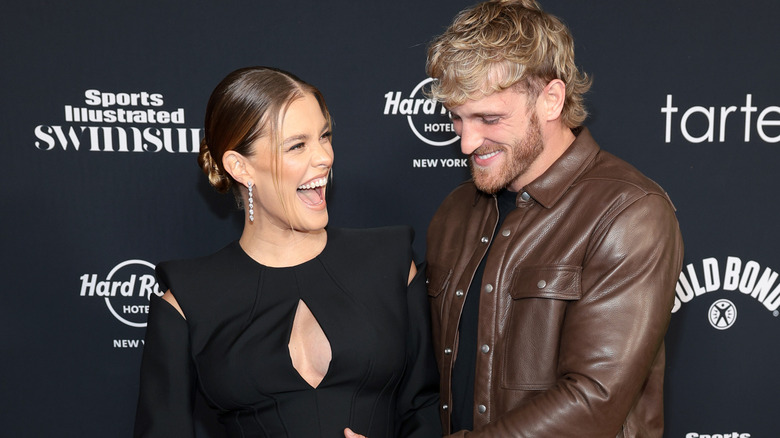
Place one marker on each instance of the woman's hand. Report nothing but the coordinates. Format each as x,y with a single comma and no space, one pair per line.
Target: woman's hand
349,434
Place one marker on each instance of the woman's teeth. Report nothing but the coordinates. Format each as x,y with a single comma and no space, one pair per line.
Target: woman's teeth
314,184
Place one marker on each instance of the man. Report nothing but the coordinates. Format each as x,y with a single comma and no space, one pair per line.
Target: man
552,272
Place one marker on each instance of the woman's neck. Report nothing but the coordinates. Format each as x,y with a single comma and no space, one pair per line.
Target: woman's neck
276,247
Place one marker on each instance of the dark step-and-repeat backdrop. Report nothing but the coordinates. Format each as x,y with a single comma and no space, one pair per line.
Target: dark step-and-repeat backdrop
102,113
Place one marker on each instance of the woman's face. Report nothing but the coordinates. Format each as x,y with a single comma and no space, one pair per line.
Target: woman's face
306,158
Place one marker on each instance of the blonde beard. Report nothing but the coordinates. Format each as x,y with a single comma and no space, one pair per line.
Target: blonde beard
522,153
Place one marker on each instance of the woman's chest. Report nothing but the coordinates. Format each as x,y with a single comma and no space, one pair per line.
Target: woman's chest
249,352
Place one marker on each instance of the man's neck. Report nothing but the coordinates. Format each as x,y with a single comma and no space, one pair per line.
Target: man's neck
556,141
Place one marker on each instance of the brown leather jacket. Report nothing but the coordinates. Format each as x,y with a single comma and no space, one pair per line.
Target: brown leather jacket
576,298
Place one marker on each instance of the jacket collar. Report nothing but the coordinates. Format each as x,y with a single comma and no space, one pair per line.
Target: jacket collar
550,186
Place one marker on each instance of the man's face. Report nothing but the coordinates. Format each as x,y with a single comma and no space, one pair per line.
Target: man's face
501,135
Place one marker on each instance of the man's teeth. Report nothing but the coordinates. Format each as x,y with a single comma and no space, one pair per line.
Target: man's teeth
313,184
490,155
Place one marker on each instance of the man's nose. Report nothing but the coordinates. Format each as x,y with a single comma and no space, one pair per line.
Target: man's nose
470,138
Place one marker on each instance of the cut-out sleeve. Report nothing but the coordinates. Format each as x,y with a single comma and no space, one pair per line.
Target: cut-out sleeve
167,387
418,401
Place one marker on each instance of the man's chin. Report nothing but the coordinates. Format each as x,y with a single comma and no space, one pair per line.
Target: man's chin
487,180
489,187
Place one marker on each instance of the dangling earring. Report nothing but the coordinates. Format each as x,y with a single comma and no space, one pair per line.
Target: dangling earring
251,204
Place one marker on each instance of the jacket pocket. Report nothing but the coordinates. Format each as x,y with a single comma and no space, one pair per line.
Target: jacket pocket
532,335
437,279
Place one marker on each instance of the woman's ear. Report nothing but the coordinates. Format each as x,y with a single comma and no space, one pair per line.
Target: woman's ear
236,165
554,95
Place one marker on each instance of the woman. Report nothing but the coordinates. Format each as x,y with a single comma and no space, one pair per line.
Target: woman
293,330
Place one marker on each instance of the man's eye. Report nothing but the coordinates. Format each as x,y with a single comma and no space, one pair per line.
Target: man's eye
490,121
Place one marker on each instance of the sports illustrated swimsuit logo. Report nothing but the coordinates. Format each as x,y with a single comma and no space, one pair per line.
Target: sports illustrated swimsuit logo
126,290
733,276
717,435
119,122
699,124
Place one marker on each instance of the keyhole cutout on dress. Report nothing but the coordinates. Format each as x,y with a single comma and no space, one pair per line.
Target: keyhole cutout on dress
309,347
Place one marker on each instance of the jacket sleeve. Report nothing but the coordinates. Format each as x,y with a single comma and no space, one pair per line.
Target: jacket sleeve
611,337
167,388
418,398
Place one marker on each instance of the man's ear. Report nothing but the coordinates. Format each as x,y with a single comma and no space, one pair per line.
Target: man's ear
553,97
236,165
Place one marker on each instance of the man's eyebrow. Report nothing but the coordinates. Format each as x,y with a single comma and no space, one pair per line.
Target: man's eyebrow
480,114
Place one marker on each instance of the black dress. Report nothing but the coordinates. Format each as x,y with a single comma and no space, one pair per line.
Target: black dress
381,381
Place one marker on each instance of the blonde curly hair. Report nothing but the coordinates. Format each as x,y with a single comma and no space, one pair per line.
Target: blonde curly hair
504,43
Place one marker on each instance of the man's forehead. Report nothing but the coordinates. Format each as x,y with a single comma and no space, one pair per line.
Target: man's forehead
496,102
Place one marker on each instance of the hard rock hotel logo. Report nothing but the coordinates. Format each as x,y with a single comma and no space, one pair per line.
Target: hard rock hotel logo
126,290
119,122
428,120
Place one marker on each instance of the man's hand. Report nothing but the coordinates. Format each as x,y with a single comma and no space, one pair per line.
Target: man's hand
349,434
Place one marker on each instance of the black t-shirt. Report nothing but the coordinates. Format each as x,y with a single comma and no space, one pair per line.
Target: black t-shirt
465,364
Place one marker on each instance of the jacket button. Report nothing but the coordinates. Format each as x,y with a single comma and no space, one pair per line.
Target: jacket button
525,196
541,284
482,409
459,293
506,232
444,407
485,239
485,348
488,288
448,351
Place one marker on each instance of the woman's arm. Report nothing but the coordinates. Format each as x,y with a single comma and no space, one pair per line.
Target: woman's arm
167,389
418,399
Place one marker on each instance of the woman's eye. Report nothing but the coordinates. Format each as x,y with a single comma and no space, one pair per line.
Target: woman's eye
326,135
295,147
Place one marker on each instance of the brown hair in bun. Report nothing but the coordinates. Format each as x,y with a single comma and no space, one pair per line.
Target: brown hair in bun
245,106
